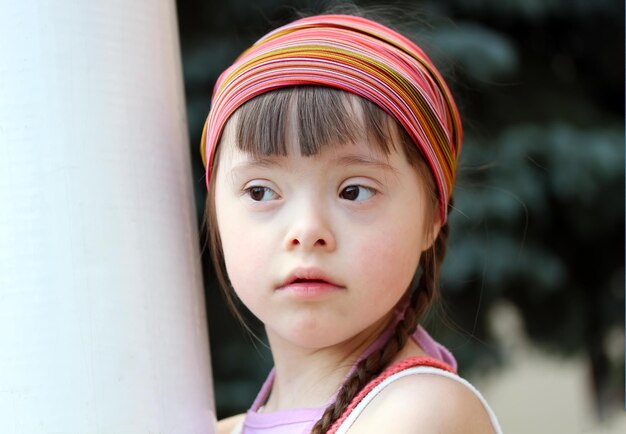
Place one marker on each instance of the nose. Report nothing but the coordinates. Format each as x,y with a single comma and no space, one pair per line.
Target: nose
310,230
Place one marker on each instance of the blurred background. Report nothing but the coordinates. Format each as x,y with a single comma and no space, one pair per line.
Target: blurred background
533,285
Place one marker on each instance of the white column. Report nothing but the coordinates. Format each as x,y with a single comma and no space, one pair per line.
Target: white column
102,317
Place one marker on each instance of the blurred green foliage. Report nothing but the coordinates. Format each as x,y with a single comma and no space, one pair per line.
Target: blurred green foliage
539,204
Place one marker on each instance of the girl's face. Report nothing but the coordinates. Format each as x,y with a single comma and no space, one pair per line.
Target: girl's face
320,248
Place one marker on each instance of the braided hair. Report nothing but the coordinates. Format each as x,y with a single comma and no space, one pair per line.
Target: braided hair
371,366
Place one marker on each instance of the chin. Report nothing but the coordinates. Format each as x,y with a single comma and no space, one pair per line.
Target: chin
311,334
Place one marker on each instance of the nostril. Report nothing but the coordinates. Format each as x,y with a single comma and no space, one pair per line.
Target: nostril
297,242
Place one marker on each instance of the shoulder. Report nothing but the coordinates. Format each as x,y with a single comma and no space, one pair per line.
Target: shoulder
432,402
226,426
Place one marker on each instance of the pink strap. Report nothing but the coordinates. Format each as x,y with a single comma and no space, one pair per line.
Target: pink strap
393,369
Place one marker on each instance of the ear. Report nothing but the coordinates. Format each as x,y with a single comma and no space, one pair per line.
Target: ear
431,232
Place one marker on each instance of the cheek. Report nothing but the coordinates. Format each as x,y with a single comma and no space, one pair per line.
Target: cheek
389,258
245,249
242,264
241,254
229,226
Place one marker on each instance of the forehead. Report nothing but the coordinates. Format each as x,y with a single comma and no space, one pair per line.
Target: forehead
343,154
311,117
307,127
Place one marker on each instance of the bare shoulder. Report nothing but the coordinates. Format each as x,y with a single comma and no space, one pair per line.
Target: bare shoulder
226,426
427,403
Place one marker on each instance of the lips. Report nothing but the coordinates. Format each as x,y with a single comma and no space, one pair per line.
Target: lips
301,277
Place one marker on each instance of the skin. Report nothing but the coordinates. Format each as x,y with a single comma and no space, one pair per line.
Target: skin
350,212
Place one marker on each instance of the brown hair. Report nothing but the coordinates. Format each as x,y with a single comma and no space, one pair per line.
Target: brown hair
326,116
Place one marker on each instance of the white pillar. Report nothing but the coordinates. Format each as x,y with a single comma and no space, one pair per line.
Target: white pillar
102,317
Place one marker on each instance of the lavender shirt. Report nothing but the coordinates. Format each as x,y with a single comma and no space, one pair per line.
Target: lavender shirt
301,420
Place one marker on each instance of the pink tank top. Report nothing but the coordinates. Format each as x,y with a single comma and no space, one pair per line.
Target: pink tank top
295,421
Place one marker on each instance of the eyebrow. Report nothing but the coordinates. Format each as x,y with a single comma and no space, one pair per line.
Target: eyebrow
260,161
351,160
346,160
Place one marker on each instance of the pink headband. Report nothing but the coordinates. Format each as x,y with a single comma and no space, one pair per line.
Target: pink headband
359,56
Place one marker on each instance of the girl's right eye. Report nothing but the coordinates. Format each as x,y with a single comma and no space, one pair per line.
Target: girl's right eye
260,194
357,193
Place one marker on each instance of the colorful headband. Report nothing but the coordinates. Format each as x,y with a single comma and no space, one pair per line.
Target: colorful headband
359,56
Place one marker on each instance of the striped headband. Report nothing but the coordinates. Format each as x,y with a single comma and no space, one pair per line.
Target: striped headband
361,57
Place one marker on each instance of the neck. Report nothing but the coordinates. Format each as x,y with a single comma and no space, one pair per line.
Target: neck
309,377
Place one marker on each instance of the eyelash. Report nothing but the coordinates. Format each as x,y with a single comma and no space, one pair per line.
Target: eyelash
370,190
250,191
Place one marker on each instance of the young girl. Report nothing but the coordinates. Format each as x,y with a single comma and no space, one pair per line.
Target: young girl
330,151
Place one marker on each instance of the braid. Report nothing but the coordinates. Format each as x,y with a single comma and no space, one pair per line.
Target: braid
368,368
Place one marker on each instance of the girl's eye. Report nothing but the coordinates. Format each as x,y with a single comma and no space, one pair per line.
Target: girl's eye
260,194
357,193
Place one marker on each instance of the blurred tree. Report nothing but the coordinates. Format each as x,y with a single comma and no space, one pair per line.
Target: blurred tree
539,216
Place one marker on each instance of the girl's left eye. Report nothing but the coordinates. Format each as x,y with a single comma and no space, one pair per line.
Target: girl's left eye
260,194
357,193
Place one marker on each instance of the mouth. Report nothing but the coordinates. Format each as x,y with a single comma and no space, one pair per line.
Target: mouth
309,282
297,281
308,276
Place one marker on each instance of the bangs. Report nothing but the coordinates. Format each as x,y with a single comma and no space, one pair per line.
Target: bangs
321,116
